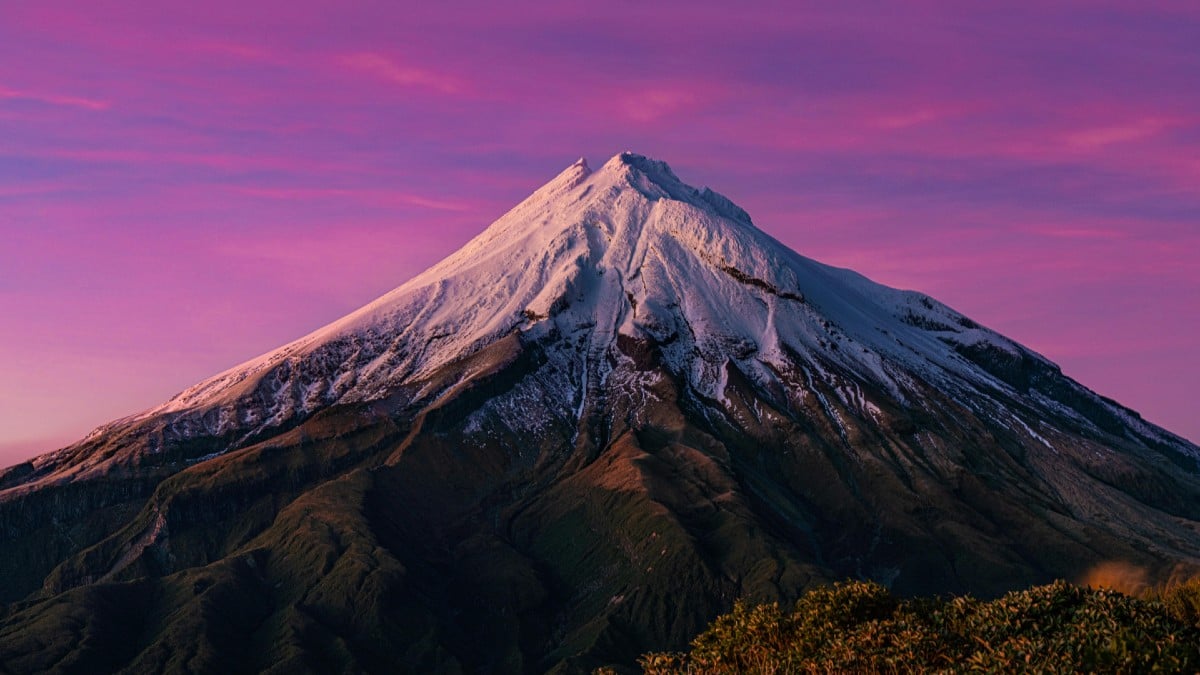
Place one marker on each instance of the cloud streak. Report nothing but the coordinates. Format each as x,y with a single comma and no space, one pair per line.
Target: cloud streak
404,75
53,99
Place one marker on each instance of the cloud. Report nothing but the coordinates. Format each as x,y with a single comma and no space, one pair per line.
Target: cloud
910,119
373,196
1076,232
1096,138
54,99
34,188
405,75
246,52
653,104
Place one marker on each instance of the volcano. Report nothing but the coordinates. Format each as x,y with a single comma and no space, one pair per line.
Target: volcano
617,410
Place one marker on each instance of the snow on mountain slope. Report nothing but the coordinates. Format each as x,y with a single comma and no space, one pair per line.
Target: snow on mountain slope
628,249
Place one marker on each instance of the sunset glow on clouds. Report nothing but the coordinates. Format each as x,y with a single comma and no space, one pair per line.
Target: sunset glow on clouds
186,185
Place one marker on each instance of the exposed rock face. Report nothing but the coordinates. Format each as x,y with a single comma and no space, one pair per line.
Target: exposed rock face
577,439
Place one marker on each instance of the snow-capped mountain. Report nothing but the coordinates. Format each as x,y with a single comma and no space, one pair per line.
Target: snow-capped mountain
621,393
628,250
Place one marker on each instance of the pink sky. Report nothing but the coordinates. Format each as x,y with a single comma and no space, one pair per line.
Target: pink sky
186,185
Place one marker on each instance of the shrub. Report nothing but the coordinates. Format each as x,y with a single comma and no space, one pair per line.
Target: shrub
1181,599
860,627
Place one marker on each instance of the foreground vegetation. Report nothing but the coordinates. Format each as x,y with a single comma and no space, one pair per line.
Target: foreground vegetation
860,627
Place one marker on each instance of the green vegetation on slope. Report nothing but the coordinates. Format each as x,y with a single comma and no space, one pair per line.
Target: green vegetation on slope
860,627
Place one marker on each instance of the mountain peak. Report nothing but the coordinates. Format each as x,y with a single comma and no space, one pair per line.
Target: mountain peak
656,180
654,169
579,169
653,178
568,178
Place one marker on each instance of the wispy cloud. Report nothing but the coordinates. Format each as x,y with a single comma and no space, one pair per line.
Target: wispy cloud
34,188
910,119
652,104
403,74
1081,233
246,52
374,196
1101,137
54,99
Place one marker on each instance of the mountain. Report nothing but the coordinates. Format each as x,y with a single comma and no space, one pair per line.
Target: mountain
618,409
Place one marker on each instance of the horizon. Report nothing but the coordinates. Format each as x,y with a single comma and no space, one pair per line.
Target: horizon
184,191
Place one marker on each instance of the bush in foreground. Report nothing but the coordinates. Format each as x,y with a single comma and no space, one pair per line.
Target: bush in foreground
860,627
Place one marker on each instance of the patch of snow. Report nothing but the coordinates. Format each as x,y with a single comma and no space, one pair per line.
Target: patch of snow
1033,434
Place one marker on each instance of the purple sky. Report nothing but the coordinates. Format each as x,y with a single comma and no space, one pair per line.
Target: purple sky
186,185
